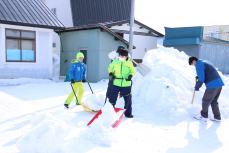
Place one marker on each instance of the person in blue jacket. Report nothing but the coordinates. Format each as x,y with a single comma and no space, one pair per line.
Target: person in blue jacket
207,74
77,74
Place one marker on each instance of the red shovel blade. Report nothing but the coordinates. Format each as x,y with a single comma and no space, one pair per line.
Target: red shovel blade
115,124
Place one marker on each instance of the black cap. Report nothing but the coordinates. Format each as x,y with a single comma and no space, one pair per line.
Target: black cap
123,52
191,59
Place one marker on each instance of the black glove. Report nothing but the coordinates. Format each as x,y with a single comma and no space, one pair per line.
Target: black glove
197,78
72,81
111,76
129,78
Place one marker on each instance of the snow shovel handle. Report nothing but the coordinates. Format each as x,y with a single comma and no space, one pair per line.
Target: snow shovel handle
135,62
194,92
74,93
90,87
193,96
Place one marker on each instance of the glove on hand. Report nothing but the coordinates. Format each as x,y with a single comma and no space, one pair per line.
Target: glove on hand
111,76
129,78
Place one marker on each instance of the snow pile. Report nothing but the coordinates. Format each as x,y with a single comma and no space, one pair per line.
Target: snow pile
47,136
94,101
108,116
34,120
103,126
168,88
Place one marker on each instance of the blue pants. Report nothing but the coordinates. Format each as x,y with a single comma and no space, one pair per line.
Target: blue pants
126,93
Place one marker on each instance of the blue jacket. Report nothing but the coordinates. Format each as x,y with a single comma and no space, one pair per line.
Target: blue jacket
207,74
77,71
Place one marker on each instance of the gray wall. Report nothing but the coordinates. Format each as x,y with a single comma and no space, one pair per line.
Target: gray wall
191,50
107,43
72,42
217,54
97,43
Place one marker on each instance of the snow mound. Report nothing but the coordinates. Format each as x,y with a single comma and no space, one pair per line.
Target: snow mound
94,101
108,116
103,126
168,88
47,136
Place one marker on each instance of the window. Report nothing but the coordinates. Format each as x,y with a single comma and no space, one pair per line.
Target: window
20,46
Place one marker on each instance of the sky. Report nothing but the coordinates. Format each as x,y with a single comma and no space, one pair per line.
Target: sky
181,13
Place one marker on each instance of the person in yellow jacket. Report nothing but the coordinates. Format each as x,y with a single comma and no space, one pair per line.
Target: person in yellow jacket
121,72
77,74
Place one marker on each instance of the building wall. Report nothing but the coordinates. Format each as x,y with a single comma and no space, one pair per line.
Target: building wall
63,10
142,44
217,54
56,55
219,32
97,43
42,68
191,50
74,41
107,44
64,14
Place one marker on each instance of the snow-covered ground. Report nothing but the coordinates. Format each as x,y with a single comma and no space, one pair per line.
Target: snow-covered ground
33,119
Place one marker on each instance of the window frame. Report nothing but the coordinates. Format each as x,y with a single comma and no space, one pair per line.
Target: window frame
20,39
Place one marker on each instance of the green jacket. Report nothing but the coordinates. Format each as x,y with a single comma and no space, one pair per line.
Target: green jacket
121,71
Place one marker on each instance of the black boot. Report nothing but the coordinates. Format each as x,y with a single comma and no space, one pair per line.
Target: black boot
129,116
66,106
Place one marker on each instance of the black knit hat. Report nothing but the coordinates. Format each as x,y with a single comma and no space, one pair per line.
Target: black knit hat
123,52
191,59
120,48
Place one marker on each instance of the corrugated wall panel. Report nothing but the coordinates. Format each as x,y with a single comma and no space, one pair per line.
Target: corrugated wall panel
99,11
218,54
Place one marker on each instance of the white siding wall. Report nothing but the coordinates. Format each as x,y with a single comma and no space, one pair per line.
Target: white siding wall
42,68
64,14
142,44
63,10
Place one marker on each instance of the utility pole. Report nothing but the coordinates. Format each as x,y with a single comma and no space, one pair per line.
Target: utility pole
131,35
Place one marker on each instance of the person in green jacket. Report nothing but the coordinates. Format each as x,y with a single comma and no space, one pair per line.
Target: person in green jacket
121,72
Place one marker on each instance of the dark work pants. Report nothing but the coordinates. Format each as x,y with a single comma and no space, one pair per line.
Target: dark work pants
109,89
126,93
211,98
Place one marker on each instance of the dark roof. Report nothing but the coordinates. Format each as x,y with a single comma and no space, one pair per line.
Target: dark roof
152,31
95,26
107,12
99,11
28,13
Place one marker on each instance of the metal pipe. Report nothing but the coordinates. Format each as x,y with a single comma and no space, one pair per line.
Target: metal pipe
131,27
